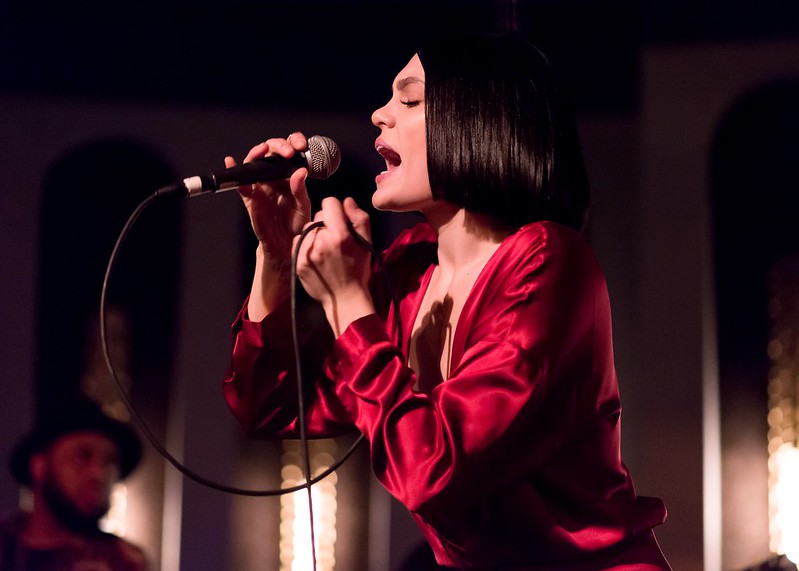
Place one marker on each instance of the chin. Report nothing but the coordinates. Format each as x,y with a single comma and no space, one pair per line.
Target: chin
382,202
392,202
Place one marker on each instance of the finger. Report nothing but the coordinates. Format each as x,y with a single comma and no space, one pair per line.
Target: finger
246,190
299,189
358,218
274,146
280,147
317,218
306,244
334,217
298,141
303,248
258,151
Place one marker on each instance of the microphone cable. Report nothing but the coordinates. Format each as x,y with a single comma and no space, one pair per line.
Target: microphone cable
309,481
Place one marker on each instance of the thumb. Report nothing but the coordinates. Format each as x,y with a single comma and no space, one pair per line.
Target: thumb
358,218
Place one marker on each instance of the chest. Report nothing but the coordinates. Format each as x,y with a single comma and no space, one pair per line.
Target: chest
430,351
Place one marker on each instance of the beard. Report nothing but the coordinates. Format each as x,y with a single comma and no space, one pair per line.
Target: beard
67,513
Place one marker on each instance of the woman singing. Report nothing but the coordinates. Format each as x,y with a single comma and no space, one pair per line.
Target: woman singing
496,420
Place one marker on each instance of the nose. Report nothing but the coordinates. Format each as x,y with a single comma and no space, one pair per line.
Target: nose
101,470
96,471
382,117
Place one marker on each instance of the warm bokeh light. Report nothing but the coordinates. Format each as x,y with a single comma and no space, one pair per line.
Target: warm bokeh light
114,521
783,414
295,522
786,501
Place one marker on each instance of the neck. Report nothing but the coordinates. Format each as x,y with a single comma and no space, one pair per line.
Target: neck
465,238
44,530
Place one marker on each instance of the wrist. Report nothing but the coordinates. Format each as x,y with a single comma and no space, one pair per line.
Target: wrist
342,310
271,285
271,261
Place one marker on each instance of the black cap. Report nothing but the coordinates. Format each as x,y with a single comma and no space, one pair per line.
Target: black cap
75,416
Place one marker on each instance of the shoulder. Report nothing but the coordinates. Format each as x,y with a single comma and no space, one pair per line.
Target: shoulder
548,235
544,289
551,248
418,239
545,273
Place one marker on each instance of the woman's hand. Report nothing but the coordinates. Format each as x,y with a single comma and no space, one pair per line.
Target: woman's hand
333,267
278,211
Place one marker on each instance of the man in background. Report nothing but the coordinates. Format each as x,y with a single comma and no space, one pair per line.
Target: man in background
70,462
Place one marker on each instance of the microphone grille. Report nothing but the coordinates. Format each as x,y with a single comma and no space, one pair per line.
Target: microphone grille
323,157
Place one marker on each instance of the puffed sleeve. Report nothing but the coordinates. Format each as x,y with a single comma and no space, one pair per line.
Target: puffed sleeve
531,369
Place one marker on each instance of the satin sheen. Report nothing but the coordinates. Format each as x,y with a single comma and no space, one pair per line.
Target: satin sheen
511,463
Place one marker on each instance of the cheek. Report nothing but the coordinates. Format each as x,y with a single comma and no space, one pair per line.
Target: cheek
418,155
418,174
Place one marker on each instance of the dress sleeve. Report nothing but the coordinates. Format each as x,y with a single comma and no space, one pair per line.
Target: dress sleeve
534,370
260,385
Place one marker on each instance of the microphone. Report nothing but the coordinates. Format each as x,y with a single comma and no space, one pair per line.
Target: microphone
321,159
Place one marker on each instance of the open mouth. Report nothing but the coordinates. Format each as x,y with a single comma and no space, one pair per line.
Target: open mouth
391,157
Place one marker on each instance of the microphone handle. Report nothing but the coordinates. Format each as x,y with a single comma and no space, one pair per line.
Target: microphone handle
258,170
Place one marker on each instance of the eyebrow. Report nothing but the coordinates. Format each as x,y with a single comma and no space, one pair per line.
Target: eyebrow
405,81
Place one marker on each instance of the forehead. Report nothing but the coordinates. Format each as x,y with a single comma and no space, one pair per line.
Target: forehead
85,440
411,74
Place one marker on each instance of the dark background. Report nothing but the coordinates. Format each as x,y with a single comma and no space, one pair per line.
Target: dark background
339,54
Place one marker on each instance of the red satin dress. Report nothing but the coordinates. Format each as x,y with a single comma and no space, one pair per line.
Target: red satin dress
513,462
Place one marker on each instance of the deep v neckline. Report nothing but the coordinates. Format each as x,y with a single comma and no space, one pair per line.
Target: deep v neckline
424,285
457,334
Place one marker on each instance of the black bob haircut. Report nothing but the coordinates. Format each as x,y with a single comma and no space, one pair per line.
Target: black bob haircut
501,137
